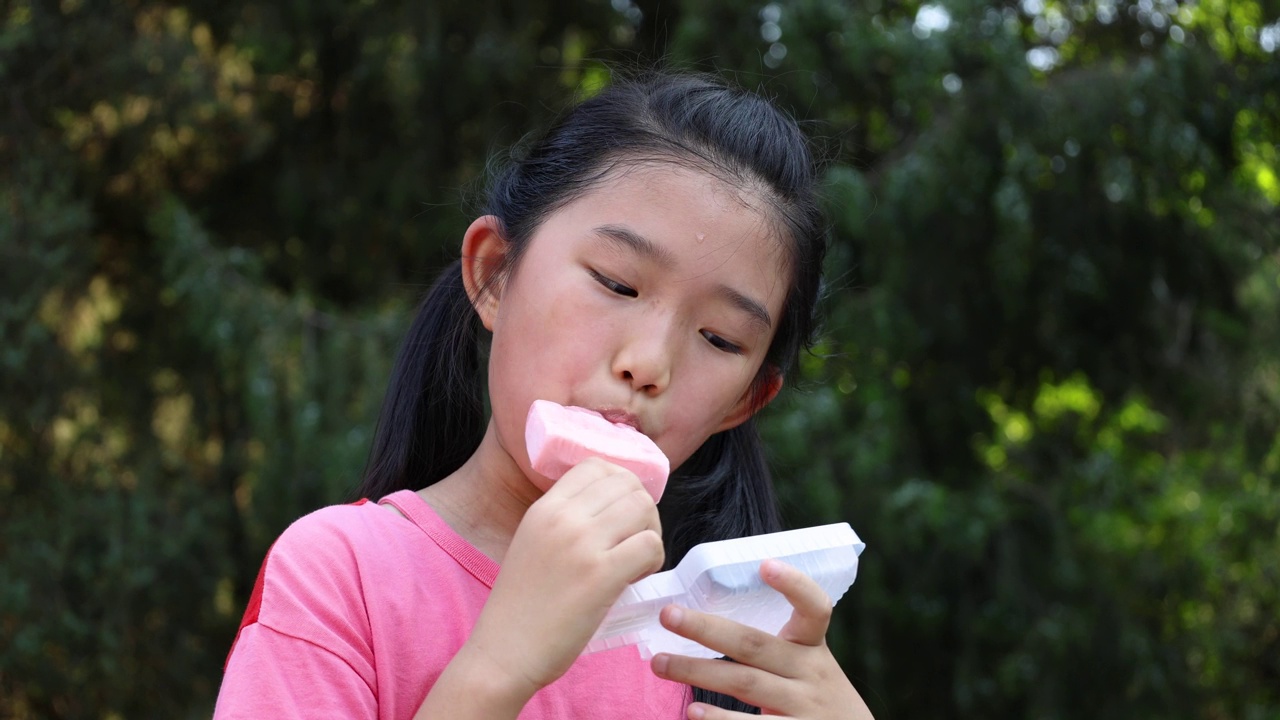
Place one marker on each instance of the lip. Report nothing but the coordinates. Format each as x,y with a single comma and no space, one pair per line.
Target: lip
621,417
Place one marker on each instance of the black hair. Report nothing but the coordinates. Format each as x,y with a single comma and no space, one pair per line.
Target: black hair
432,419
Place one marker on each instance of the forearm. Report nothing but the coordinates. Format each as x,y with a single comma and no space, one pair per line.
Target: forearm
472,686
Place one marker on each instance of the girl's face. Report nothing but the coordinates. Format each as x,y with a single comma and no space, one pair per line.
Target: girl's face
651,299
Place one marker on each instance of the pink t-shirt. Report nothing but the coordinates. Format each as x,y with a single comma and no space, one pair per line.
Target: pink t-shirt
357,611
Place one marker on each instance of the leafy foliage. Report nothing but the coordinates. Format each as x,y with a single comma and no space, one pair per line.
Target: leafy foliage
1047,393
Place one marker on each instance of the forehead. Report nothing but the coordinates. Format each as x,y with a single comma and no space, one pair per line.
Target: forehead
691,214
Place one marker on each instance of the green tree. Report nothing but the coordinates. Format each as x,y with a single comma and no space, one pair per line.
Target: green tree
1047,392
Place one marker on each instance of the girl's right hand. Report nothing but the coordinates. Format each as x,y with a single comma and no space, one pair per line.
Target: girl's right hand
576,549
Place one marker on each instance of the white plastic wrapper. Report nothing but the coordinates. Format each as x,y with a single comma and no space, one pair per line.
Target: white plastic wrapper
723,578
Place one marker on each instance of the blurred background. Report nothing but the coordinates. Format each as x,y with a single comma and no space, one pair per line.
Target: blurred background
1046,394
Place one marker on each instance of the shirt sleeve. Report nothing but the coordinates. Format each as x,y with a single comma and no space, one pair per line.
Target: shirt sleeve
303,650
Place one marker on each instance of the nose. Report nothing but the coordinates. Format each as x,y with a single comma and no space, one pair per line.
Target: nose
644,360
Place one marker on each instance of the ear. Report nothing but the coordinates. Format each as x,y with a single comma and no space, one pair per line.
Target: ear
754,399
484,247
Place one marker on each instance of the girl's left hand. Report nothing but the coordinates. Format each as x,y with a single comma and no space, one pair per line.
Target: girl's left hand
793,674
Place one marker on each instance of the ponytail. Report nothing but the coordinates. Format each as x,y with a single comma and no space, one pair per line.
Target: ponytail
432,417
723,491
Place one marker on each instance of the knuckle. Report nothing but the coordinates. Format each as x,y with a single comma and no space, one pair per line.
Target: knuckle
607,466
641,500
752,644
628,478
594,465
568,524
743,684
817,605
653,543
540,513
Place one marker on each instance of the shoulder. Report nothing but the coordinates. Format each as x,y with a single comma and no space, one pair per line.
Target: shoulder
331,542
350,521
306,631
327,569
310,586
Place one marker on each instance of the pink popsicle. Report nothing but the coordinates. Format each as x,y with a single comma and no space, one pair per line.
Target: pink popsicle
559,437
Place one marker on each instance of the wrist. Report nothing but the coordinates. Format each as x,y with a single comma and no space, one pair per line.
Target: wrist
475,685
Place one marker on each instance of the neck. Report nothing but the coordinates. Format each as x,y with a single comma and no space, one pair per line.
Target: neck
485,499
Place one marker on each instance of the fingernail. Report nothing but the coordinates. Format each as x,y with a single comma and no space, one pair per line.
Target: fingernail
674,615
660,663
697,712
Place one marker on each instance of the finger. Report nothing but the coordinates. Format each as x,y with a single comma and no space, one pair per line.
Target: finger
605,489
699,711
743,643
639,556
629,514
581,477
748,684
812,606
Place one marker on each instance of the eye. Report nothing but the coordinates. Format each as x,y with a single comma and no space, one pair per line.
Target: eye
614,285
721,344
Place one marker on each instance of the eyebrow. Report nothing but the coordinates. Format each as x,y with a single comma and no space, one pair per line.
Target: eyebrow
636,243
642,246
759,316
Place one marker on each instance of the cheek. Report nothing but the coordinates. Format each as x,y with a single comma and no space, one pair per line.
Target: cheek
701,408
544,344
537,330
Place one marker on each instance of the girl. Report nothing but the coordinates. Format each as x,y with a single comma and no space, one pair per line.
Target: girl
655,257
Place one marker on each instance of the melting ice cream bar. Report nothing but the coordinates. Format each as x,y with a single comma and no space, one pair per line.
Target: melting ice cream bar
559,437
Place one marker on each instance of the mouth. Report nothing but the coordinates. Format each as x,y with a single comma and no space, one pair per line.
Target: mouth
621,417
